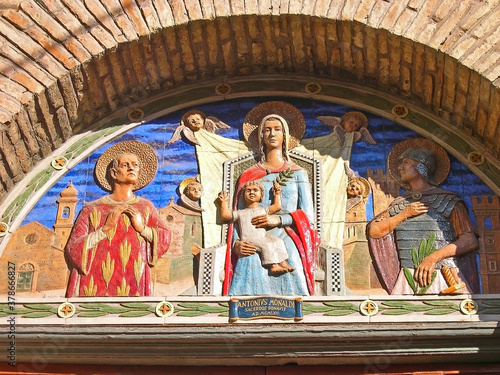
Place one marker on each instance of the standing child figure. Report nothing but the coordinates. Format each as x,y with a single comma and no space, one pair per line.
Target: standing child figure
271,249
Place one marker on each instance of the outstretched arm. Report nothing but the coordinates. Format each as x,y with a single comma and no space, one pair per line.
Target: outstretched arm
276,206
384,224
225,213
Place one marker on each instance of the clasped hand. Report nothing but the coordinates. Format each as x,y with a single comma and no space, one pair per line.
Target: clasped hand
135,216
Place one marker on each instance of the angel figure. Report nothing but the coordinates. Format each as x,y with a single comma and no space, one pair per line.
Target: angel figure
357,190
193,121
351,122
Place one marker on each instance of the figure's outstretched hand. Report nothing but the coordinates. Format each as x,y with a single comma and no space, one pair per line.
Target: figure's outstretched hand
113,217
266,221
244,248
276,188
136,219
223,197
423,273
415,209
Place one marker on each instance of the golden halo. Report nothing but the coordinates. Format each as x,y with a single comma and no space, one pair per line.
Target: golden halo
365,183
184,183
192,112
442,159
364,120
145,154
294,118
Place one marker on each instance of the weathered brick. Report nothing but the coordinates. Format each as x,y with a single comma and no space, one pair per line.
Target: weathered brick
451,13
186,51
363,11
175,56
5,116
383,71
151,66
23,156
320,9
222,8
46,118
349,9
488,61
403,22
422,20
8,153
199,45
335,10
428,90
345,35
484,93
318,30
476,13
253,27
472,98
481,121
64,123
438,82
55,97
405,77
298,42
164,12
371,51
459,109
141,15
93,83
294,7
393,16
359,64
45,21
5,178
110,32
212,43
119,78
28,136
179,11
41,135
268,41
449,83
71,23
378,13
241,41
13,88
32,49
394,59
193,9
9,103
493,114
12,132
69,97
257,57
207,9
123,22
138,65
52,47
358,39
382,43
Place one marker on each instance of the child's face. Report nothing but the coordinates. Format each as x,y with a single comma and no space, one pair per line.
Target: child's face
252,194
354,189
352,124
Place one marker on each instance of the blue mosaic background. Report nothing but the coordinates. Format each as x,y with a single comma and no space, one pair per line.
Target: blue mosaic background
178,161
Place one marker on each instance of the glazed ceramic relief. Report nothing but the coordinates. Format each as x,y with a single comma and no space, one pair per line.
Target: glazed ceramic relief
275,197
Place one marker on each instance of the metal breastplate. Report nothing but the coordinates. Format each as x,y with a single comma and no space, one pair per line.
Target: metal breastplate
411,232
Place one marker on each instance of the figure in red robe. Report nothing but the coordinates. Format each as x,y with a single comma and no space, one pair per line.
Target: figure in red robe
118,238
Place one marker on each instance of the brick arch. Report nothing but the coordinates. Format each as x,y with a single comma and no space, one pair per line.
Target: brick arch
65,64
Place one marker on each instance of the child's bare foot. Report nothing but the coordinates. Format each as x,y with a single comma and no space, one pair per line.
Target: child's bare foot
286,266
276,269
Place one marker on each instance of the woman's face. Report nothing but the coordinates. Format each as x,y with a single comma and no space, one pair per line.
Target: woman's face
272,134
